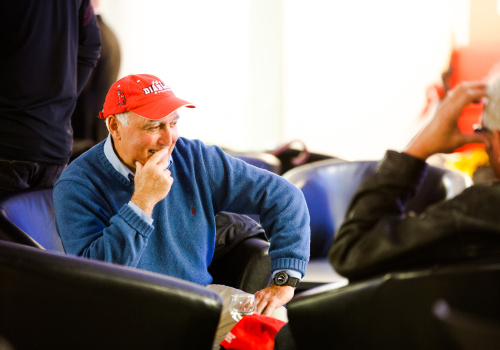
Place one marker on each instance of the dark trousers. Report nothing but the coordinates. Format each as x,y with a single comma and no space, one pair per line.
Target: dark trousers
18,175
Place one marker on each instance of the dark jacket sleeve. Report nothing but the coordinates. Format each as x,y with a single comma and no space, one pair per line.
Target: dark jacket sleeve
89,44
378,236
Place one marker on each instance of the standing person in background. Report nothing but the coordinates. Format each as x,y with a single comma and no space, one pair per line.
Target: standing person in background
49,49
88,129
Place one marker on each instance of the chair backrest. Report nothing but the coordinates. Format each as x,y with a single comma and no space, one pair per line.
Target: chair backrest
329,186
28,217
259,159
50,300
469,330
395,310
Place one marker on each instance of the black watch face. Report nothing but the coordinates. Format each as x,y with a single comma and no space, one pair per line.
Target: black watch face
281,278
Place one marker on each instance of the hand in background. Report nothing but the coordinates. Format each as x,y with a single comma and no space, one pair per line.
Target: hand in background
442,134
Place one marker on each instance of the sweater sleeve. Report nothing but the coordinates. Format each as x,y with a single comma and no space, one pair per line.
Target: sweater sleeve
91,227
242,188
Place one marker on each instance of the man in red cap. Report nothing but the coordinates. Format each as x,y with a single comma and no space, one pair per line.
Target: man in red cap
147,198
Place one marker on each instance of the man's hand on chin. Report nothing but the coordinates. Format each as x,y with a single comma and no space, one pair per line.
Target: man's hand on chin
152,180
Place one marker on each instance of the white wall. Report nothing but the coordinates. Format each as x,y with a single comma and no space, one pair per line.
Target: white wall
357,71
346,77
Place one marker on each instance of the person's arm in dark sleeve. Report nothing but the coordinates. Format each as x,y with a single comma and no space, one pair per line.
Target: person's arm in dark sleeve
89,45
377,232
376,235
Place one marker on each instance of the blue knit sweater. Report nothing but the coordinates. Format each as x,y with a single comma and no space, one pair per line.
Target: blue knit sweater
95,221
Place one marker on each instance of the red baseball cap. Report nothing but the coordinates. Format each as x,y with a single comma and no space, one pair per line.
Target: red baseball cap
253,332
143,94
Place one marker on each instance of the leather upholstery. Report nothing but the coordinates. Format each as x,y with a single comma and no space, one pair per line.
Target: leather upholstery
247,266
328,188
396,310
27,217
469,329
49,300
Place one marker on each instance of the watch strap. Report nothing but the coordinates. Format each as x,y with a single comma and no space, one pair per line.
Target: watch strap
284,279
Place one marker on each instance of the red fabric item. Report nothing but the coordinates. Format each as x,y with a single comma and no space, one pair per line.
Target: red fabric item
143,94
253,332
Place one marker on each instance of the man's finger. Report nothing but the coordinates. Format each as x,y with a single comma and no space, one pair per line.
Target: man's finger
268,311
158,156
138,167
261,306
163,163
171,149
468,93
476,138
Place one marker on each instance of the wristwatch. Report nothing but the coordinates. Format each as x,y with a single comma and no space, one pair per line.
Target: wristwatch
283,279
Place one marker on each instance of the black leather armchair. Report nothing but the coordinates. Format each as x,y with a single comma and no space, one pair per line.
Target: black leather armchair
50,300
27,217
398,311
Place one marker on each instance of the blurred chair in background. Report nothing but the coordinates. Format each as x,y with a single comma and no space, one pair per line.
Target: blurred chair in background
259,159
282,159
329,186
294,154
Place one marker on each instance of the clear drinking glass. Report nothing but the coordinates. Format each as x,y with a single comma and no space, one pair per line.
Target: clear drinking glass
242,305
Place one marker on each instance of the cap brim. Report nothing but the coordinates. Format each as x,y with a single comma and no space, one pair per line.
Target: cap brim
162,107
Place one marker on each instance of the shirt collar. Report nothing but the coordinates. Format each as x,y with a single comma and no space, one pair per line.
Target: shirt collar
110,154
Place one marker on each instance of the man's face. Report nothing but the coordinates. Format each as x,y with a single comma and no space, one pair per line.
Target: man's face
141,138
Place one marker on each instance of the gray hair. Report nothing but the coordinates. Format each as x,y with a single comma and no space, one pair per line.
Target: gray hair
122,118
491,112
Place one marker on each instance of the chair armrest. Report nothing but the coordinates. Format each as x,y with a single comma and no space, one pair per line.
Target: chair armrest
96,305
247,266
393,311
11,233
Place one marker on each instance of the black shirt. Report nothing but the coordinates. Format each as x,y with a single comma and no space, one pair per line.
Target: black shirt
48,50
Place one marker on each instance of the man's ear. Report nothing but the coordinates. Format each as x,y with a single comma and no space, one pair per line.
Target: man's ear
114,127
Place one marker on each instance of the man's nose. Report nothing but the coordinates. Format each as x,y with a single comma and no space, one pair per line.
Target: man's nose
166,137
